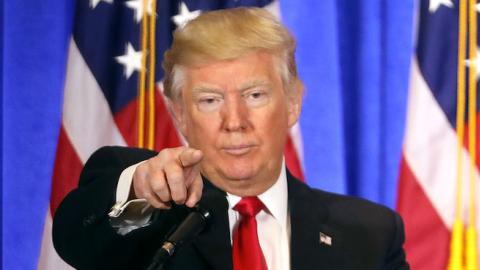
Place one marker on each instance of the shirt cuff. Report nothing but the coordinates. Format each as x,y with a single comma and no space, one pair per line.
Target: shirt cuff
127,215
123,191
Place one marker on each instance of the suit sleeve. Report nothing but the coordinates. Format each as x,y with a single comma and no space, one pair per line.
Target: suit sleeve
82,233
396,255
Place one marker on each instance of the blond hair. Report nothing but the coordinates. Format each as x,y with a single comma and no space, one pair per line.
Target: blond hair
224,35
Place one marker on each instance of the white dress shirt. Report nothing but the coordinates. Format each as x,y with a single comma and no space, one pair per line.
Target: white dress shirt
273,223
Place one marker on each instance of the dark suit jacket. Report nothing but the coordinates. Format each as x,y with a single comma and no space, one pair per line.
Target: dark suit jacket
363,235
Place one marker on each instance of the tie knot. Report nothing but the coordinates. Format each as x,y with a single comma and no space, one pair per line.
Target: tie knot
249,206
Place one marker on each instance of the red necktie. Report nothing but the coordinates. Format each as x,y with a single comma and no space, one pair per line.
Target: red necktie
247,253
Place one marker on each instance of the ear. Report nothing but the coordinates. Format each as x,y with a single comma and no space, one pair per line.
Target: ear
295,97
178,112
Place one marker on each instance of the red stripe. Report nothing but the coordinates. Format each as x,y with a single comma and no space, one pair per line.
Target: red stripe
66,170
291,159
427,238
126,121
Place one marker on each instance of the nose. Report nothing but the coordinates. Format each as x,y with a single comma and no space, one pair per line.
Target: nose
235,114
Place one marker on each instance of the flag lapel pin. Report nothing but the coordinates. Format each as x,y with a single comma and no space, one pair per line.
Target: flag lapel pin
325,239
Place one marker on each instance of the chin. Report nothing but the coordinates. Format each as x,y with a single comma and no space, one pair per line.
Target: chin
238,171
238,175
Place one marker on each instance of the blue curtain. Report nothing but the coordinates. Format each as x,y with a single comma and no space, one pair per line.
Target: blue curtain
35,36
353,57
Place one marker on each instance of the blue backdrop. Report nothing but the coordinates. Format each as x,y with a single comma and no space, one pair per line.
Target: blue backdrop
353,56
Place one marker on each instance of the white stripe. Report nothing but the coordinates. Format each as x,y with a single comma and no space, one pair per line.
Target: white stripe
87,117
296,135
89,124
49,259
431,151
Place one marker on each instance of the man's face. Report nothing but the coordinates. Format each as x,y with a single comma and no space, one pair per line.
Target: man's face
238,114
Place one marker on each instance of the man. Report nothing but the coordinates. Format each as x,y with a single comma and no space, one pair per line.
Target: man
233,89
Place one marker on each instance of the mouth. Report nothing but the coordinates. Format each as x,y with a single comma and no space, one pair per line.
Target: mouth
238,150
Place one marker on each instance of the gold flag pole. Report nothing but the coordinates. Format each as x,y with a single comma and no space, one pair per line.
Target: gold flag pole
141,86
471,234
151,77
456,243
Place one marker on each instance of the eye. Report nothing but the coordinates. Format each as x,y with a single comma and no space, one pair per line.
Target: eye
256,98
208,100
256,95
209,103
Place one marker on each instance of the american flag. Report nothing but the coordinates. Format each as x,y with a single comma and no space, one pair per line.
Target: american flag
428,175
102,104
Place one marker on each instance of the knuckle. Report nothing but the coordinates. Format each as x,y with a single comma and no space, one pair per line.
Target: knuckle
179,196
163,193
162,155
175,177
174,173
167,153
158,186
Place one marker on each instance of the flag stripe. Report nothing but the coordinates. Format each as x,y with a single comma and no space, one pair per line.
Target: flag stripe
430,137
437,36
428,176
86,115
291,159
101,35
66,170
126,121
425,232
49,259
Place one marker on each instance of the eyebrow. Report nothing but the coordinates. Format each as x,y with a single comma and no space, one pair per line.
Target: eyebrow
243,87
254,83
205,88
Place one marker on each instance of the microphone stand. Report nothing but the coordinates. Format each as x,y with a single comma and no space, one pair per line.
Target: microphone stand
193,224
161,256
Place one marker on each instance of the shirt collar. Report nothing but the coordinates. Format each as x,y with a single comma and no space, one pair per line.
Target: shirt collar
275,198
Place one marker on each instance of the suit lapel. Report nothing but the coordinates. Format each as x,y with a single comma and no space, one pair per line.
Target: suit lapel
214,243
308,219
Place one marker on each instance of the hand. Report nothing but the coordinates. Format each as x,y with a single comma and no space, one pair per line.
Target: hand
172,175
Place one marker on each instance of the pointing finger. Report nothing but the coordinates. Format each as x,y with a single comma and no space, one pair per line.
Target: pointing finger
190,157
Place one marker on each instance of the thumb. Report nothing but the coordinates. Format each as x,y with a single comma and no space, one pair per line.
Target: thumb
190,157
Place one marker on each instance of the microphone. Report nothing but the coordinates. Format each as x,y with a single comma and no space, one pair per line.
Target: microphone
190,227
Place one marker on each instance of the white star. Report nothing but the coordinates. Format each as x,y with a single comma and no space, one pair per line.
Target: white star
475,62
185,15
131,60
477,7
137,6
94,3
435,4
